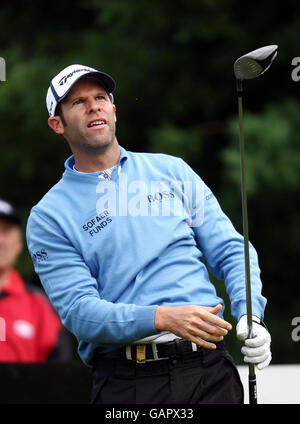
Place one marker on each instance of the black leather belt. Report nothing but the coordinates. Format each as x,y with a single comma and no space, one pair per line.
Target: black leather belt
157,351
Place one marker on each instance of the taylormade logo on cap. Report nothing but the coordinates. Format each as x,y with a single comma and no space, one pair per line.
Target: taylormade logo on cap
65,78
62,83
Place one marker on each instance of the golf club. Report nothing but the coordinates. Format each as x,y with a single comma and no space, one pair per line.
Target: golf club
249,66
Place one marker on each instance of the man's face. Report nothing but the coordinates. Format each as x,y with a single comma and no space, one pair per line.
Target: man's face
10,244
89,116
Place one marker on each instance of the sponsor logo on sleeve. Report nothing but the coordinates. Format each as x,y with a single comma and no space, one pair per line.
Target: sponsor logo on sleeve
39,256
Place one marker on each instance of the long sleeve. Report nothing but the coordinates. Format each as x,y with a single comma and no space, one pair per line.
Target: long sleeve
223,249
74,292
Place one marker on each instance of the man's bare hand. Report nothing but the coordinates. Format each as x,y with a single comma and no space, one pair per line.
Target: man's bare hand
199,324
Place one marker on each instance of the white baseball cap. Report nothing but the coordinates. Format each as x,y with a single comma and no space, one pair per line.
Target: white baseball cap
8,212
62,83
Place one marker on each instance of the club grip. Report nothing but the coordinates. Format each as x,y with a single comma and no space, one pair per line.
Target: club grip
252,390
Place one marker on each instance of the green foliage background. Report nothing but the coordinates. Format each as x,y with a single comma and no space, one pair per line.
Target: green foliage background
173,63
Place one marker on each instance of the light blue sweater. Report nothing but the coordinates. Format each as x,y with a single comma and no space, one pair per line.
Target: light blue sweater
109,252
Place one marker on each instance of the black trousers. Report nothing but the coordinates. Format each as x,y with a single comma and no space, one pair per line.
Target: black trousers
205,377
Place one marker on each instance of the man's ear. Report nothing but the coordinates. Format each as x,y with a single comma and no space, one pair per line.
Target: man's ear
115,110
55,123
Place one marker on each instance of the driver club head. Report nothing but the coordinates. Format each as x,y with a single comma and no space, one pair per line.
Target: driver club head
255,63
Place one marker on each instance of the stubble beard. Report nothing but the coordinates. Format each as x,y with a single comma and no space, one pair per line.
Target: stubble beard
93,145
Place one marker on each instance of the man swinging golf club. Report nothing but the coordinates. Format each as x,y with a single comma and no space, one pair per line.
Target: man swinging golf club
129,237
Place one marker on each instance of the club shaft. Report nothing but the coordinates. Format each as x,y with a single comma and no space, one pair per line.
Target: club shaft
252,376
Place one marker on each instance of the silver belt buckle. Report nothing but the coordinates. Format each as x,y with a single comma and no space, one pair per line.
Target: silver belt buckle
128,352
154,351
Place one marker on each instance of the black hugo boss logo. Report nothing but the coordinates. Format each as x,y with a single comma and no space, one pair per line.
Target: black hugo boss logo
40,256
64,79
160,196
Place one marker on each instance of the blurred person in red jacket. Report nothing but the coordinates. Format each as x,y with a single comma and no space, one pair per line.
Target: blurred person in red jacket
30,330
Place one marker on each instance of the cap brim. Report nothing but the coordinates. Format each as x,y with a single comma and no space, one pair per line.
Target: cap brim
105,80
10,218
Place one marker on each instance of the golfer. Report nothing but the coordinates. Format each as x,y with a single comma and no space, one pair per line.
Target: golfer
129,239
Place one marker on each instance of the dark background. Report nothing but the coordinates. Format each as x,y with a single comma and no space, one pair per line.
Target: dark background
173,63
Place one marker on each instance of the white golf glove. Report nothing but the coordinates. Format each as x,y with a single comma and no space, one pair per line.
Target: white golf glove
257,349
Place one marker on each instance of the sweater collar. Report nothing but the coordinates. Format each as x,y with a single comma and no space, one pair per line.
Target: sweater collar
70,162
